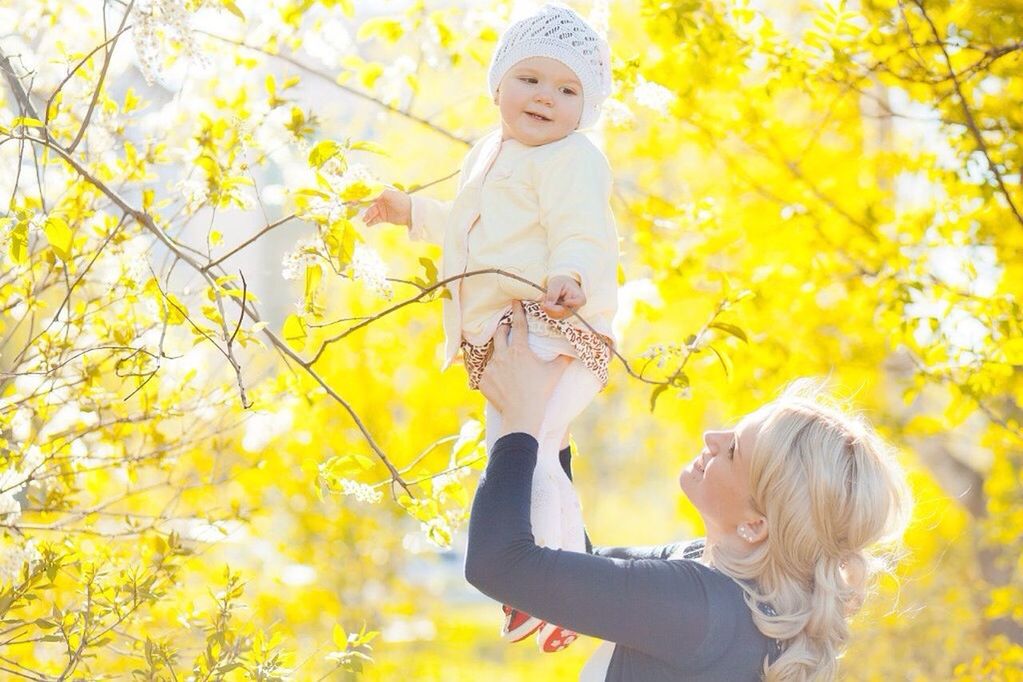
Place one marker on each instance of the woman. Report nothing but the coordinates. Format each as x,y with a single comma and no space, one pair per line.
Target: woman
792,499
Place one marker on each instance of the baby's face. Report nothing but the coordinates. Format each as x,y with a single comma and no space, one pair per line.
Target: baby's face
541,100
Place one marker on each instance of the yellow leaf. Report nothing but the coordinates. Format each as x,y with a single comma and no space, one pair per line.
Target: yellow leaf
386,28
215,237
323,151
294,332
18,246
340,637
370,73
131,100
367,146
1013,350
59,235
313,276
26,121
233,9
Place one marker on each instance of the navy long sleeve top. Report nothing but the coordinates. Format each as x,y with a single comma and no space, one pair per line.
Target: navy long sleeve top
671,619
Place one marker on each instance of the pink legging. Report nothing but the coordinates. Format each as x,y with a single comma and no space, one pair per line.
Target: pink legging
555,511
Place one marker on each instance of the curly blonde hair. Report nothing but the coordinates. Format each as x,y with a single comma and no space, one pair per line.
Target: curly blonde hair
833,494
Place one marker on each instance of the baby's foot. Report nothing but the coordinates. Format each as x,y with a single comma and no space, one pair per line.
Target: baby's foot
518,624
552,638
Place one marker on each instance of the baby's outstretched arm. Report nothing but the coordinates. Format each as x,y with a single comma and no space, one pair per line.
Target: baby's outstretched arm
392,206
426,218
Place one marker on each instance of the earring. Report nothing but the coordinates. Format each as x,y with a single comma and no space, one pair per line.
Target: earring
744,534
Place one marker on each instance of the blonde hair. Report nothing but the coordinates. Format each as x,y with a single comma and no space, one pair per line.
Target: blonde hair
831,490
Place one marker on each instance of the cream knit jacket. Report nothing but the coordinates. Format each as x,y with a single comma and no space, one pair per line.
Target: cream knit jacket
542,211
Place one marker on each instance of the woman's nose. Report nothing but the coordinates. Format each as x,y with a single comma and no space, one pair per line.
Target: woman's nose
713,440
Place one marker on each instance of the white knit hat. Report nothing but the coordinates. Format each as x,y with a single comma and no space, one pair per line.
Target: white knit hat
557,32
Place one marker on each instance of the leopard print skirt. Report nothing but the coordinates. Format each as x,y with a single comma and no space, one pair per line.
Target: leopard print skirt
594,349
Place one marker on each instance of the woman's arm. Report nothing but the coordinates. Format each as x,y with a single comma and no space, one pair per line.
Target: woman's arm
655,606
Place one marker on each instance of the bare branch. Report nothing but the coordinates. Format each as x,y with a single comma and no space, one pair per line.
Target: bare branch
969,115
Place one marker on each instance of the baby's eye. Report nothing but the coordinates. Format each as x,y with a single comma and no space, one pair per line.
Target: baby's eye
527,79
568,91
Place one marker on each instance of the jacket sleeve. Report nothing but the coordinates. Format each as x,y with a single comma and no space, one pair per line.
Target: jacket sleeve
655,606
429,218
574,192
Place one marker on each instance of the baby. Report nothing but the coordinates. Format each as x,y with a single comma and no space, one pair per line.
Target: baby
533,201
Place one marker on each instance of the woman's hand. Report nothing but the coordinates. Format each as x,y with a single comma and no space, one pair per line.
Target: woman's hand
392,206
516,382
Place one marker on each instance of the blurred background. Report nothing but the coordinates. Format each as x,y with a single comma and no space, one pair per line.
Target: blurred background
828,189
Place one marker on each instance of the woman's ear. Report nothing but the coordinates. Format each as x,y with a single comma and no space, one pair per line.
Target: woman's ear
754,530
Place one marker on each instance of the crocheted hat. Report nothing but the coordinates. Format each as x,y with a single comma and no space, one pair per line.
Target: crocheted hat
557,32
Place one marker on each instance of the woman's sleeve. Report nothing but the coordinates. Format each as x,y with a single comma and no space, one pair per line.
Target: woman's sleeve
649,552
655,606
574,193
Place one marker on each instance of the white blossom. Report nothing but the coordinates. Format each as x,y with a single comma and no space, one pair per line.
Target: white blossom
328,42
394,80
629,295
195,192
263,426
12,481
368,267
653,95
154,22
362,492
13,560
619,115
307,252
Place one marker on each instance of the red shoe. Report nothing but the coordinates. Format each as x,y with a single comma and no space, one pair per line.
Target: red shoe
553,638
518,625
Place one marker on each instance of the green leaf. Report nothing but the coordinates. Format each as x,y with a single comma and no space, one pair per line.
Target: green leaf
431,269
656,394
726,362
730,329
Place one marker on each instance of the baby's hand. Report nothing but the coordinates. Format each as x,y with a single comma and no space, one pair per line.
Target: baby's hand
392,206
564,296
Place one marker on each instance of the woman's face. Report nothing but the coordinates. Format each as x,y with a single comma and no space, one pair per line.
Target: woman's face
717,482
